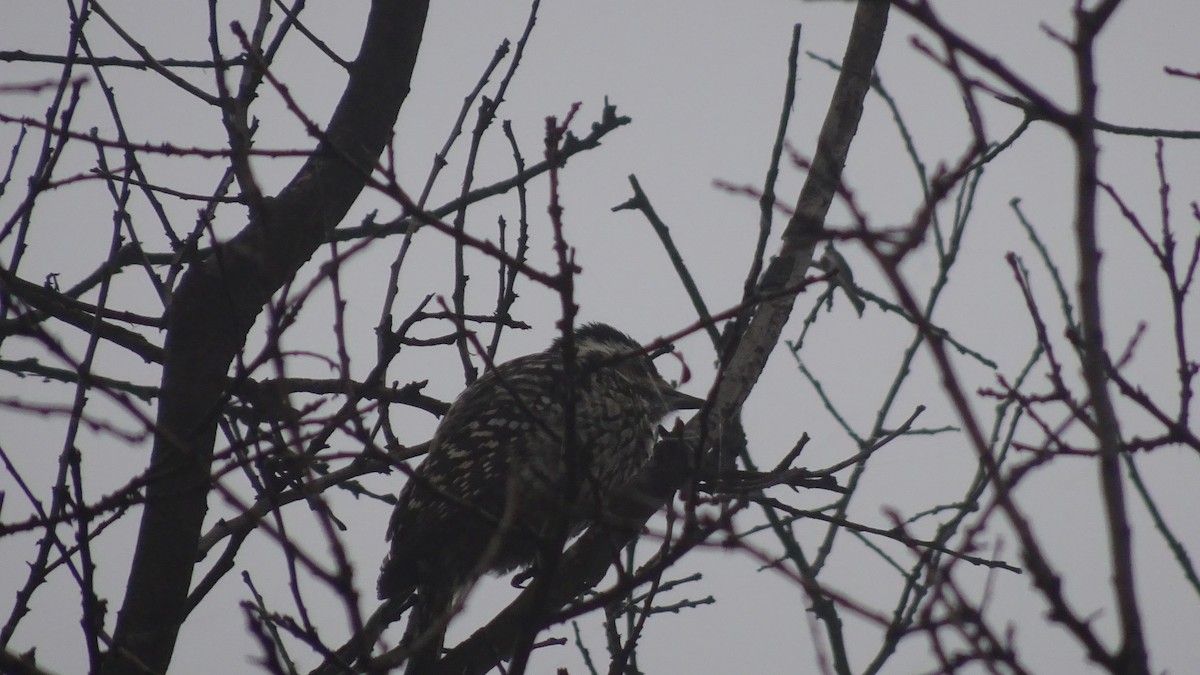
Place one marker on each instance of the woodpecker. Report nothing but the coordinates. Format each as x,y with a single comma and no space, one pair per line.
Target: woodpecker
501,477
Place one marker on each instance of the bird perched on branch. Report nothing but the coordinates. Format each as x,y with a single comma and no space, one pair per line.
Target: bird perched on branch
509,468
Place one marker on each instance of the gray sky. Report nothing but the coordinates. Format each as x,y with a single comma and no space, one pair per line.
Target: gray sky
702,82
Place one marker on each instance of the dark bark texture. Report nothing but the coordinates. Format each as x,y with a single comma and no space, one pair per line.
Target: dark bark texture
212,311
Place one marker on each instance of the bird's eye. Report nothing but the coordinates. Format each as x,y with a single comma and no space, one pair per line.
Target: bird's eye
648,369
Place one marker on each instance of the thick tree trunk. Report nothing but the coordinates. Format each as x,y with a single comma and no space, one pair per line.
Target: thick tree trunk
212,312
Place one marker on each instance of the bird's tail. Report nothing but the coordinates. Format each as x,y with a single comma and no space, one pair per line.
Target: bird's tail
426,629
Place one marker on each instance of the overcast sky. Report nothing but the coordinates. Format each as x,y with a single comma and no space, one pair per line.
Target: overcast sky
702,82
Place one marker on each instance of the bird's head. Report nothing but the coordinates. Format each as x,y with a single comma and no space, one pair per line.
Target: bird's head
599,345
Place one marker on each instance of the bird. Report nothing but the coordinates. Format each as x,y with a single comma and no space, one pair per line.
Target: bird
501,478
832,262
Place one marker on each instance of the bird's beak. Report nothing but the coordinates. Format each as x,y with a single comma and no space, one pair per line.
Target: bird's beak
677,400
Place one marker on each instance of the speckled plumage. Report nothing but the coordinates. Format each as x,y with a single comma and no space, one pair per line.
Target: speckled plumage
494,484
